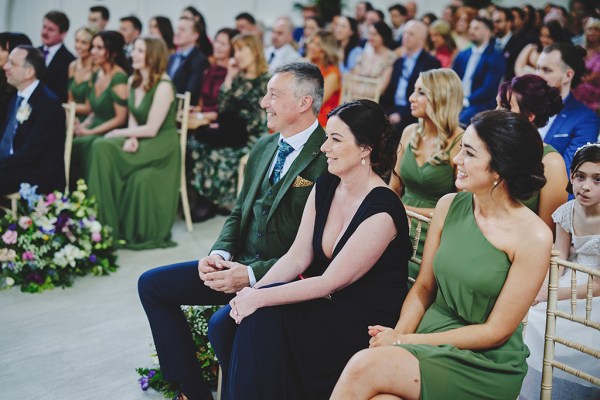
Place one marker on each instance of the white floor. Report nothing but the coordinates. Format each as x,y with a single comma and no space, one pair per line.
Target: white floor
84,342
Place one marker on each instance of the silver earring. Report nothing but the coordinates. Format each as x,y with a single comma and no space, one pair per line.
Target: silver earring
363,162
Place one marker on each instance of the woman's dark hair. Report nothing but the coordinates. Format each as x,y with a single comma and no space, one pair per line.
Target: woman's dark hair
354,40
166,30
203,41
430,16
318,20
113,43
529,17
587,153
516,150
231,33
386,34
557,33
533,95
10,40
371,128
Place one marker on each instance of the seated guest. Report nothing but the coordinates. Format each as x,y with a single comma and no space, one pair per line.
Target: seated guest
351,251
259,231
80,72
98,17
550,33
126,164
442,43
131,28
404,75
398,18
562,66
8,42
33,129
378,63
282,50
425,171
160,26
480,69
509,43
463,17
204,42
56,55
429,18
186,67
531,96
107,98
245,23
311,25
345,31
459,335
577,240
215,152
322,52
588,92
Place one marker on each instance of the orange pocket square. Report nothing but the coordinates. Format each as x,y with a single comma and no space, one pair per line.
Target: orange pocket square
301,182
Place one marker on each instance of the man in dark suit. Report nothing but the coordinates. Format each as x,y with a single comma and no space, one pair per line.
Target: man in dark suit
280,174
405,73
32,138
562,66
508,42
56,55
480,68
186,67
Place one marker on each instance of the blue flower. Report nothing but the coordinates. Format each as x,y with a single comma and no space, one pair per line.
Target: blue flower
93,260
144,382
28,193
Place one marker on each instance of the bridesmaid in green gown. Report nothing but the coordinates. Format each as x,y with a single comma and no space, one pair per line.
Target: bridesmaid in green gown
460,334
134,172
80,72
424,169
531,96
107,98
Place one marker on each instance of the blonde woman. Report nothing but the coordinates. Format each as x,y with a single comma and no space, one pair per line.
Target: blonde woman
424,166
80,72
443,46
134,171
322,51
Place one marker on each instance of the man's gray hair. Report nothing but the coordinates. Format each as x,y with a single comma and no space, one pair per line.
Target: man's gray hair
308,81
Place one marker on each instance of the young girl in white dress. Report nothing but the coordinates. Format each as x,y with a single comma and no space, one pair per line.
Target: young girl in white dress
578,240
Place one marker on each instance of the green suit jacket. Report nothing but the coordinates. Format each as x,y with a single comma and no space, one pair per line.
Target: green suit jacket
286,212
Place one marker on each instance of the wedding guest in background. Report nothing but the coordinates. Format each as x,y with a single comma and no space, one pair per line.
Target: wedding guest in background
80,72
160,26
531,96
98,17
127,163
250,230
311,25
508,42
562,66
323,52
351,251
398,18
308,11
186,66
411,10
459,335
203,40
588,91
8,42
130,27
282,50
442,43
360,16
215,152
463,17
425,171
429,18
56,55
107,98
33,129
245,23
550,33
345,31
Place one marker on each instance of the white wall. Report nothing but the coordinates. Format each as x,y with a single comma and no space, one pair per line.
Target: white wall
26,15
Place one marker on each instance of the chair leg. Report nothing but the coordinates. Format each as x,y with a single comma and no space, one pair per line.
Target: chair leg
219,382
185,203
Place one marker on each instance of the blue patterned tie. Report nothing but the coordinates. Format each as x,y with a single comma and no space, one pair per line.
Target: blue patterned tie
9,133
284,150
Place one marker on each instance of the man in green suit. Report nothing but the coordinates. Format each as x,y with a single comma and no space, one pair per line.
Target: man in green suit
279,176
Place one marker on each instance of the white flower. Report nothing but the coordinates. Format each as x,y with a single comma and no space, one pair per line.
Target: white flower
23,112
68,255
9,281
95,227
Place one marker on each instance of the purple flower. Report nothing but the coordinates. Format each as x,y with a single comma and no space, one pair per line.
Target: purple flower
34,277
151,373
62,220
28,256
93,259
12,227
144,382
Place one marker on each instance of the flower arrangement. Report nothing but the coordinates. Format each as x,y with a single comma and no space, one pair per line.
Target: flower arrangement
53,239
197,318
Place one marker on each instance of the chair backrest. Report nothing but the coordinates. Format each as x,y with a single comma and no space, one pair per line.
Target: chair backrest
183,117
360,87
415,235
552,313
70,109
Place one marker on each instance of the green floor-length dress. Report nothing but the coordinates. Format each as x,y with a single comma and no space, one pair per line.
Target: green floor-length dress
470,273
137,193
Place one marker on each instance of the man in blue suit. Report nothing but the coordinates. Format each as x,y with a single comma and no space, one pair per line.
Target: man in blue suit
32,139
480,68
562,65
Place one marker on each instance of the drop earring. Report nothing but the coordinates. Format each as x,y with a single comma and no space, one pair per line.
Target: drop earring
363,162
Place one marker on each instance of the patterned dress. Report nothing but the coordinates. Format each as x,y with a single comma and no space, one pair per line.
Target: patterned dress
214,170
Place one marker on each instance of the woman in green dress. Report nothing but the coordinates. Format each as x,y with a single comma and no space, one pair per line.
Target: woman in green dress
134,172
460,335
107,98
531,96
215,153
424,170
80,72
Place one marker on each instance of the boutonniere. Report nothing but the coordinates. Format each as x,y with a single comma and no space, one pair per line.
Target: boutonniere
23,112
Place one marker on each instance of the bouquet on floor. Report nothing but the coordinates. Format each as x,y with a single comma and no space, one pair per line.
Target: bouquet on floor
197,318
53,239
